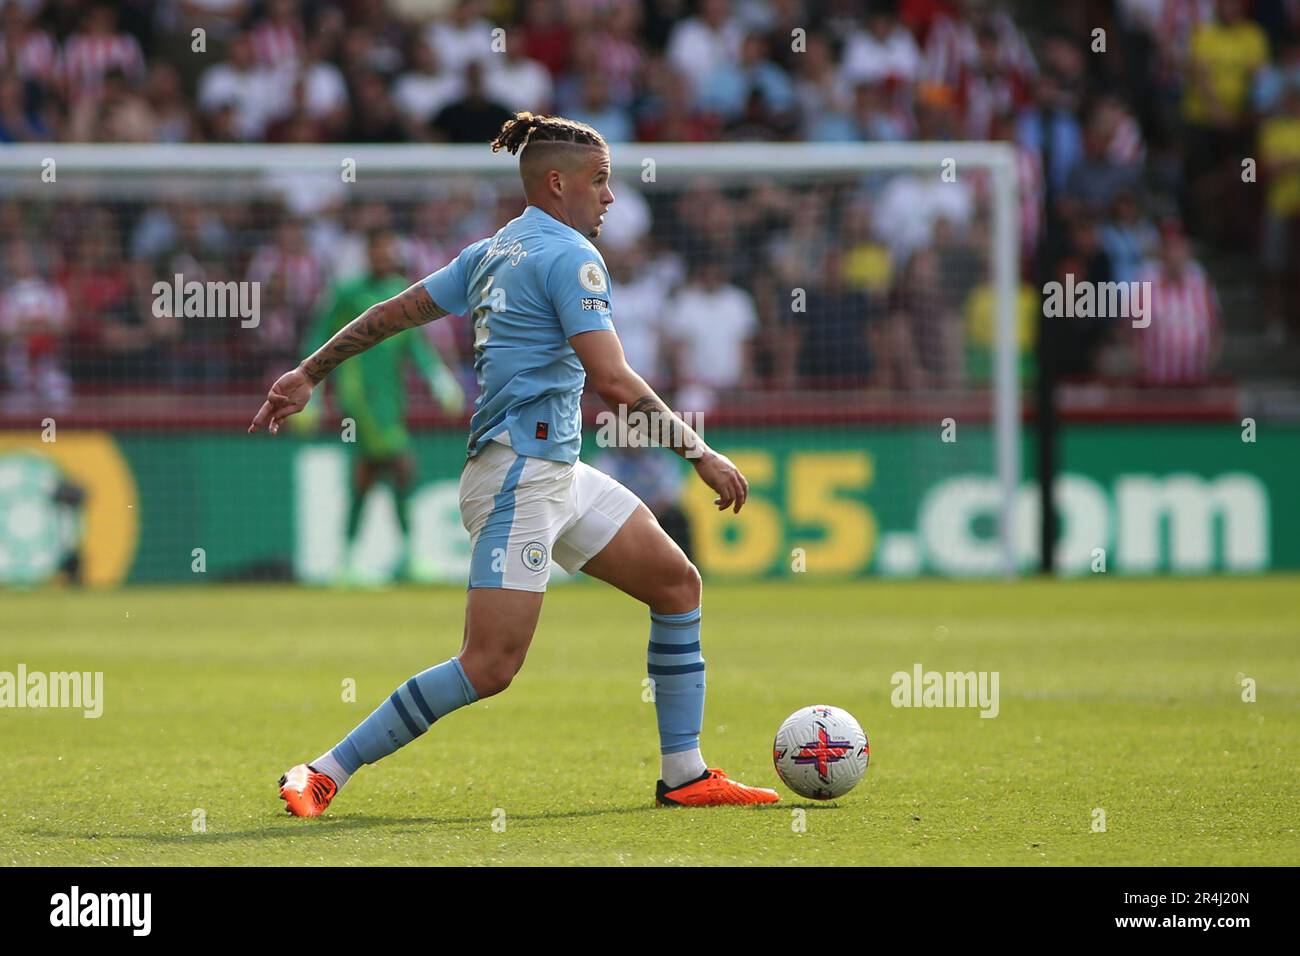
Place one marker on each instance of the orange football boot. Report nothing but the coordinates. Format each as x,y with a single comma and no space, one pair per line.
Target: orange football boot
306,792
712,789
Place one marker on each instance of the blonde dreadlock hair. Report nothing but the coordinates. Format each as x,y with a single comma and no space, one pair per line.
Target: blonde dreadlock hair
526,129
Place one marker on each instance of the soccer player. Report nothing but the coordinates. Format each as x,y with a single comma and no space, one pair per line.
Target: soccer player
369,391
539,292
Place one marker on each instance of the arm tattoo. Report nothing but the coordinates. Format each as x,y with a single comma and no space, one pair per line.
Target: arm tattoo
667,427
650,405
413,307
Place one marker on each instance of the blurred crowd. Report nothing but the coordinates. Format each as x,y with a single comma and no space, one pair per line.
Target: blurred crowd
1131,121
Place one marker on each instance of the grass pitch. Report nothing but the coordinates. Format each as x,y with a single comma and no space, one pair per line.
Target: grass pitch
1119,696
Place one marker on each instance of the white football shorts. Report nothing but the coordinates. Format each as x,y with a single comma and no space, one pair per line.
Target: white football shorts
523,513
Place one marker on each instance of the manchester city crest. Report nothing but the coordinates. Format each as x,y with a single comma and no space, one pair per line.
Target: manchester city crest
535,555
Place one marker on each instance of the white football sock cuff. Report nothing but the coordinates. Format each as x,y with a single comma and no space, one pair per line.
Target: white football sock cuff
681,767
327,765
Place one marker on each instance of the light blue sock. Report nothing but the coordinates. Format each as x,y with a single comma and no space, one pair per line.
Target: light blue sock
406,714
674,663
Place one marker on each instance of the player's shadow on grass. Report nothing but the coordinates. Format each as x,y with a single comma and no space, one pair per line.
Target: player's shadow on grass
282,827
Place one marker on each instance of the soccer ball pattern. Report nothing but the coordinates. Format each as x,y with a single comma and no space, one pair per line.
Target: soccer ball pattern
821,752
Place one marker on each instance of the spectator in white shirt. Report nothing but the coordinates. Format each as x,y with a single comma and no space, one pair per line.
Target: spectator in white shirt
640,299
324,93
712,324
464,37
700,44
426,88
884,50
517,82
910,205
259,95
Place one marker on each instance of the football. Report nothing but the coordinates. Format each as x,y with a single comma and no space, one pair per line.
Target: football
821,752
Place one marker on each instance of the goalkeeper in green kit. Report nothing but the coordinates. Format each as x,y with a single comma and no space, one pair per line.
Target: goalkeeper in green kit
370,390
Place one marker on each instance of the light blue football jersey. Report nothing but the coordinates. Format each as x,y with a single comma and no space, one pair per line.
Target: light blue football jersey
531,287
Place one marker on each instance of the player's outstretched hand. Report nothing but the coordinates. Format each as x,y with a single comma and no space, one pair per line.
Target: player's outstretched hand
722,476
288,395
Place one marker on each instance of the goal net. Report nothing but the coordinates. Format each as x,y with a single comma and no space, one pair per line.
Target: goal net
845,322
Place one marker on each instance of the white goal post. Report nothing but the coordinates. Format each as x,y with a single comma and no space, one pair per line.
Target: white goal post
45,170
